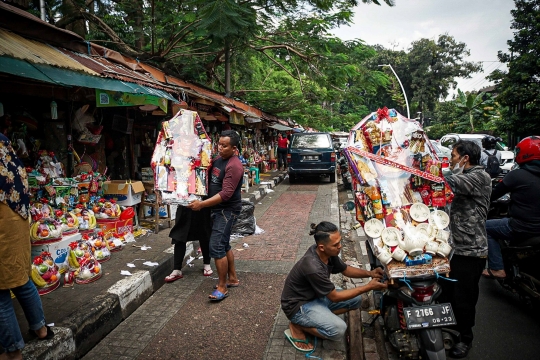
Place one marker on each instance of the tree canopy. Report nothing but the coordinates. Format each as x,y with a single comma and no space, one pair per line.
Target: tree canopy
519,87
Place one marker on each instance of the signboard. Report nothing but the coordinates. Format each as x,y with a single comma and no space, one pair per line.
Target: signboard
106,98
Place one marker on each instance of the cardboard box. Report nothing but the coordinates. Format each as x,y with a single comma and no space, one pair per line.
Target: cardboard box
115,226
59,250
125,194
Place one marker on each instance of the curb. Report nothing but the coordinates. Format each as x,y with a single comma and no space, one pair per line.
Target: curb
79,332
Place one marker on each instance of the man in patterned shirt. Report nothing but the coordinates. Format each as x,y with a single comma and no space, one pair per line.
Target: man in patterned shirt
472,189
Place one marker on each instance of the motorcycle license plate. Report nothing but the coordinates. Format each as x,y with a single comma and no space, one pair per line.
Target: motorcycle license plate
314,157
435,315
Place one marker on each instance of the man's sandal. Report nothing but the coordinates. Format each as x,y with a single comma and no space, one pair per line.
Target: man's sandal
293,341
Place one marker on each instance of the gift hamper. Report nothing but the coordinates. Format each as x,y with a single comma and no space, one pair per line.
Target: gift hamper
400,194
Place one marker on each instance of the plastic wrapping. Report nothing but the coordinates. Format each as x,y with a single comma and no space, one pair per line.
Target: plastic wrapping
180,160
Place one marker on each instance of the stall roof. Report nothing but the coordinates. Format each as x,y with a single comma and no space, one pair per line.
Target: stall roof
16,46
280,127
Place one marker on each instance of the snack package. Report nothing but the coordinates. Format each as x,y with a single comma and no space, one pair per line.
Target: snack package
45,273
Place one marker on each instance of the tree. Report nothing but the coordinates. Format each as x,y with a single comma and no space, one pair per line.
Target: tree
478,105
519,87
427,70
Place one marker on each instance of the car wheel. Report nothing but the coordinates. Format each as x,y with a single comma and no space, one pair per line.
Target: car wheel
333,177
292,179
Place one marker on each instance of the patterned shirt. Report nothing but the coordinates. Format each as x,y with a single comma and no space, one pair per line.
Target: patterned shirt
468,214
13,179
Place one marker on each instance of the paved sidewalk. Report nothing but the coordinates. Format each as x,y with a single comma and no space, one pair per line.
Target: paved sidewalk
84,314
178,321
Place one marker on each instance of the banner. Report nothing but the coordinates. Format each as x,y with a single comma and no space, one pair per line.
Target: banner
106,98
383,161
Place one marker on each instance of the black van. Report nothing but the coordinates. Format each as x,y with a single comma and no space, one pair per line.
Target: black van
311,154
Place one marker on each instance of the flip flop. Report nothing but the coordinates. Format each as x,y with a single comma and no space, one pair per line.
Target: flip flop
218,295
207,272
229,285
293,341
491,276
49,336
171,278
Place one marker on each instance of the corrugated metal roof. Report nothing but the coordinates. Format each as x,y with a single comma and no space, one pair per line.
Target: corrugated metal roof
36,52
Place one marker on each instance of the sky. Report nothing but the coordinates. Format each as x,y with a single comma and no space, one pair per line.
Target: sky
484,25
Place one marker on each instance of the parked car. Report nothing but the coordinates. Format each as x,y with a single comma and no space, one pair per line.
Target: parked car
507,157
311,154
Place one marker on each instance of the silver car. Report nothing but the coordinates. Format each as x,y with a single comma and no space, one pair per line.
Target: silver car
507,157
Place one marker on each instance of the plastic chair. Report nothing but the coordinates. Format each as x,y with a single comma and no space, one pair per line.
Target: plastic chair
256,170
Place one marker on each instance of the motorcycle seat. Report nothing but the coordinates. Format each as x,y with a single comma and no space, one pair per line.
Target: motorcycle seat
533,242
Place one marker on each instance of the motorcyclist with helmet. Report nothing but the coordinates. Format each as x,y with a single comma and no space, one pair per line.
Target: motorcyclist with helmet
488,143
523,184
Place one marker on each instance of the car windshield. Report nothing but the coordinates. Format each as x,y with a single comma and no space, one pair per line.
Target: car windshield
436,147
313,141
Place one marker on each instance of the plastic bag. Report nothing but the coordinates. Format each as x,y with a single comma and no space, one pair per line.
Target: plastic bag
245,224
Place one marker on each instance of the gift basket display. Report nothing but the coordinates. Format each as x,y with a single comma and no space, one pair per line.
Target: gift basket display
70,222
180,160
98,246
106,209
45,274
85,217
44,228
83,265
400,195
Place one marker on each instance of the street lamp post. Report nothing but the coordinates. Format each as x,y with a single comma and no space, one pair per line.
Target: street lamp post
402,89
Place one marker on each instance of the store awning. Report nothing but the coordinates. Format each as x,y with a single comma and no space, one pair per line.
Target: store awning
65,77
252,120
280,127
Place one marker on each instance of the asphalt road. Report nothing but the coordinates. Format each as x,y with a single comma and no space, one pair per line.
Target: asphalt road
505,328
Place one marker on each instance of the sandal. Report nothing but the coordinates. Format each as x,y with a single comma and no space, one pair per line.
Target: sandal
207,272
173,277
490,275
218,295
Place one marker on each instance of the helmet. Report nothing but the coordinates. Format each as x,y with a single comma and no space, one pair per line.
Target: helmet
488,142
528,149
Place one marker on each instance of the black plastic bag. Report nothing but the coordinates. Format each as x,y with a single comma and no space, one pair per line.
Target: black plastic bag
245,224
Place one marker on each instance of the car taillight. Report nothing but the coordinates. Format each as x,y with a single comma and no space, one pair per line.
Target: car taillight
445,162
288,158
333,157
423,294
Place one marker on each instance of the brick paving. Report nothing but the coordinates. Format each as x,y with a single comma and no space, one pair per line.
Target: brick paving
285,221
178,322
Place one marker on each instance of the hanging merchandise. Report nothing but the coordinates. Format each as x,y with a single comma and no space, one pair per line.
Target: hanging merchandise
181,158
400,195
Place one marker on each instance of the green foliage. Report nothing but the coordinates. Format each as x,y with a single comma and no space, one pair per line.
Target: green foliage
519,88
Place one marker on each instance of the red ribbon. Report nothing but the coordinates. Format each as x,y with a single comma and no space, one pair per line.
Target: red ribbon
383,114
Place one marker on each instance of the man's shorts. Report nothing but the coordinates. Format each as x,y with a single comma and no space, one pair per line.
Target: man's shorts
222,223
319,314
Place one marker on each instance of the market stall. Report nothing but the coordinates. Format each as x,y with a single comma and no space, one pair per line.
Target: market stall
401,198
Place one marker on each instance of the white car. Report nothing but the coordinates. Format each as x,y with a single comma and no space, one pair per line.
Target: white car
507,157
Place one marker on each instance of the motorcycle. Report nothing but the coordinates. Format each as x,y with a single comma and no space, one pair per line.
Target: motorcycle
343,167
521,258
413,320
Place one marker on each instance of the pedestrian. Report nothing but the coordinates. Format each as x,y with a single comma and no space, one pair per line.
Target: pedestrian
190,225
225,202
15,264
311,301
472,188
490,158
523,184
283,144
